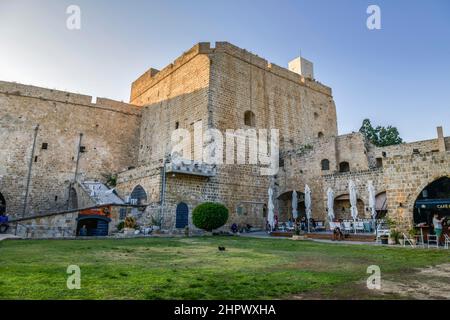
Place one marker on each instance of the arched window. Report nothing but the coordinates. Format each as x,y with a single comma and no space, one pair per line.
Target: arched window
249,119
344,167
138,196
325,164
320,135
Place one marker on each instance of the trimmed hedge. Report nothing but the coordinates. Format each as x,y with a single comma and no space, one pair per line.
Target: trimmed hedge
209,216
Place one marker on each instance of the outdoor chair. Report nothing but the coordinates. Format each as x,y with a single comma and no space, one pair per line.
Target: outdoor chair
408,240
320,226
447,241
359,226
433,241
367,226
348,226
332,225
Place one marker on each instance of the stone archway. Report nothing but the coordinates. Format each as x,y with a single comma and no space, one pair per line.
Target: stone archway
433,198
342,207
138,195
284,201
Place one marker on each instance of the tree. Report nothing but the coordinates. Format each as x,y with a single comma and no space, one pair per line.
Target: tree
380,136
209,216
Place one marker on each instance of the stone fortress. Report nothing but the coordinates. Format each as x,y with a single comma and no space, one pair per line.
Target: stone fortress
59,150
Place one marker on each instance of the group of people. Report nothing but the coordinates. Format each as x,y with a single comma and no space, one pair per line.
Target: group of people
301,224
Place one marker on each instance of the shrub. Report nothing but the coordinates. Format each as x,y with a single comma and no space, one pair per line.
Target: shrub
209,216
120,225
130,222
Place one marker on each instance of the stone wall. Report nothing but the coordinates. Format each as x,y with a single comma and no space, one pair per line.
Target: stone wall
405,176
110,136
58,225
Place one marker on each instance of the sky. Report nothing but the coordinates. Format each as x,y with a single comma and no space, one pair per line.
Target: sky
398,75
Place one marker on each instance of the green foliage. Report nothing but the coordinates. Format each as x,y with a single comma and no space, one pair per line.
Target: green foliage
250,268
380,136
130,222
395,234
111,180
412,232
209,216
120,225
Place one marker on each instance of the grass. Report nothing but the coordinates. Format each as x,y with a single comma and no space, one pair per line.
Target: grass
193,268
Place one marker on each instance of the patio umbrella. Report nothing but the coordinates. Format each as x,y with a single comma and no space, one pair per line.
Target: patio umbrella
372,201
330,203
308,203
371,190
353,200
270,206
294,204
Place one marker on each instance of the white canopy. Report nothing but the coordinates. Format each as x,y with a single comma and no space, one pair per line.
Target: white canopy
294,204
270,207
353,199
330,204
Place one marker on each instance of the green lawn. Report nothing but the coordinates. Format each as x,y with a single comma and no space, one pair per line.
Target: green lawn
193,268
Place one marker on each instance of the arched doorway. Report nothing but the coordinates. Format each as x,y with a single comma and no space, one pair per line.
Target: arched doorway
285,205
73,199
2,205
138,195
182,216
96,226
434,198
342,207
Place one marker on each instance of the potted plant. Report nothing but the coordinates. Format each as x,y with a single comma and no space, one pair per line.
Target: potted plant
394,236
129,225
412,234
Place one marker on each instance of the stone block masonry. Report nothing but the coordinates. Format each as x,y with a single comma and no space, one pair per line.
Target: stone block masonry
110,132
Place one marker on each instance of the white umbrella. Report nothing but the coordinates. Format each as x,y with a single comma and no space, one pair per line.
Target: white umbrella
270,215
330,203
371,190
372,201
294,204
308,203
353,200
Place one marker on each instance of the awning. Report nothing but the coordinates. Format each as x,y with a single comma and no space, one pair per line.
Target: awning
437,204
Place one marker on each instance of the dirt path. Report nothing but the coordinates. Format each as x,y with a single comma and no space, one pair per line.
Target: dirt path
427,283
423,284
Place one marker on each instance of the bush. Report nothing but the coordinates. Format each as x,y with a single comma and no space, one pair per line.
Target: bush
130,222
209,216
120,225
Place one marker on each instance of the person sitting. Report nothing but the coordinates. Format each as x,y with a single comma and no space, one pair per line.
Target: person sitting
83,231
337,234
3,223
303,224
312,224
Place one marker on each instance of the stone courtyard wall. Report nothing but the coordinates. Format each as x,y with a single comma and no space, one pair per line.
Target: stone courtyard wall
110,135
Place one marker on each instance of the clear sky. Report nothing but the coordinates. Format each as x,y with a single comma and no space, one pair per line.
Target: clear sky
398,75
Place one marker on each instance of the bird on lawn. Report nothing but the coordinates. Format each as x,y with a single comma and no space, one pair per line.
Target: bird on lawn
221,248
